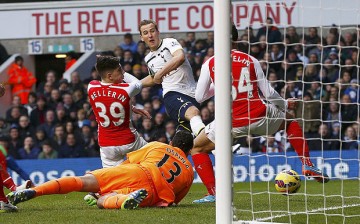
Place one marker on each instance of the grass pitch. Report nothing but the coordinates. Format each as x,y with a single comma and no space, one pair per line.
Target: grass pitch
341,204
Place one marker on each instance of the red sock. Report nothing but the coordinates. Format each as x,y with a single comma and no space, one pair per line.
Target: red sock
2,194
9,184
205,170
297,140
62,185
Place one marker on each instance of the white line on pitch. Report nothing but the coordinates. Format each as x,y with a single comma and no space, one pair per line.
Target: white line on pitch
311,211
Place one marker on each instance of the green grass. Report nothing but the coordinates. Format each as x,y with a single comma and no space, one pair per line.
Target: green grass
71,208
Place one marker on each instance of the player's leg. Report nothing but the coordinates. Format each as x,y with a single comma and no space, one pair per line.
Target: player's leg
299,143
11,163
64,185
204,143
5,205
184,110
122,201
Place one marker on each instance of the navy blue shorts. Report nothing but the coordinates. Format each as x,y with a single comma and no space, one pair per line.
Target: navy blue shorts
176,105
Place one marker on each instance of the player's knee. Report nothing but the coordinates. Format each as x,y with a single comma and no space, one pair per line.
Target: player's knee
191,112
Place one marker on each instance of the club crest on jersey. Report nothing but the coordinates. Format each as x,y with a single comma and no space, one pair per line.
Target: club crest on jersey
181,100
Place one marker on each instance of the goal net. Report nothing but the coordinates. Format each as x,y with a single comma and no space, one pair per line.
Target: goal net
309,50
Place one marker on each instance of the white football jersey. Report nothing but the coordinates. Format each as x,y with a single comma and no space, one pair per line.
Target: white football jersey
179,80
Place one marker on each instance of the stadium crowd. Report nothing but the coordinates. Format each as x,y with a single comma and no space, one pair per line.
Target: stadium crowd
321,71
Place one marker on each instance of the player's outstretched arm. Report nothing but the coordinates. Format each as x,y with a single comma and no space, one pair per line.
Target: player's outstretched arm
177,60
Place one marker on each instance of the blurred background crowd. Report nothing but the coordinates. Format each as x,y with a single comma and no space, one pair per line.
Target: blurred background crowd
55,119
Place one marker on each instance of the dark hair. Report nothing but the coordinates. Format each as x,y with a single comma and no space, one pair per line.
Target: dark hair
105,64
183,140
146,22
19,58
234,33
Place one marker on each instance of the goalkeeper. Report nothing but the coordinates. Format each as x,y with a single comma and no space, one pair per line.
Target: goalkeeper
158,174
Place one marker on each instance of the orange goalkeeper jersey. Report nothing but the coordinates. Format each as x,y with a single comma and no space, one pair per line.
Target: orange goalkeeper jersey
169,167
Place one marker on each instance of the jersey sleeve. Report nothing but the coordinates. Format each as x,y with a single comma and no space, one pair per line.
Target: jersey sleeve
135,85
266,89
174,45
204,89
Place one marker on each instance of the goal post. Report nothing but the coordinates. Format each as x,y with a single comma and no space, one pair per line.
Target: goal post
223,160
321,71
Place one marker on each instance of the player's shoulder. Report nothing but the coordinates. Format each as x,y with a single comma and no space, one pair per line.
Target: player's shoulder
94,83
171,42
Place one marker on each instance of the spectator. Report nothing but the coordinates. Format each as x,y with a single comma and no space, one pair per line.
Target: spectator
147,129
71,148
324,140
25,129
250,32
60,114
14,116
31,105
20,79
119,53
15,142
49,125
333,115
309,110
37,116
170,130
40,137
159,122
349,111
350,140
353,91
311,39
4,127
64,86
75,82
16,102
140,52
205,115
277,56
128,43
59,137
50,78
55,99
87,140
128,58
47,151
29,151
70,107
70,59
270,31
190,40
292,35
71,129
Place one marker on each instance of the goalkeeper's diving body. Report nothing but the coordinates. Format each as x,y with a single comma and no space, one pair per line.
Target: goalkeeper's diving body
251,115
158,174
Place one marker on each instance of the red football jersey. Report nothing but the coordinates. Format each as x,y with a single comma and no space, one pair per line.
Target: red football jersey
111,106
247,105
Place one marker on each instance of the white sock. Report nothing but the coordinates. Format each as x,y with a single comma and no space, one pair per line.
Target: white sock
196,124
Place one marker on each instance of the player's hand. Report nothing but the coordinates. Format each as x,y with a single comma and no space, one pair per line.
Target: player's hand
141,112
2,89
157,79
292,103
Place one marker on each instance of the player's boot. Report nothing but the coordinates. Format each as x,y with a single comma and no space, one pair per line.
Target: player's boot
7,207
134,199
91,199
20,196
314,172
28,184
207,199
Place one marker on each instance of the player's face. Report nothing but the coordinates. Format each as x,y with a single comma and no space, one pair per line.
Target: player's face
117,76
150,36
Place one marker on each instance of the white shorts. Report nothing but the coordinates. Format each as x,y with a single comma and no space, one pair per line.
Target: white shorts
266,126
114,155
